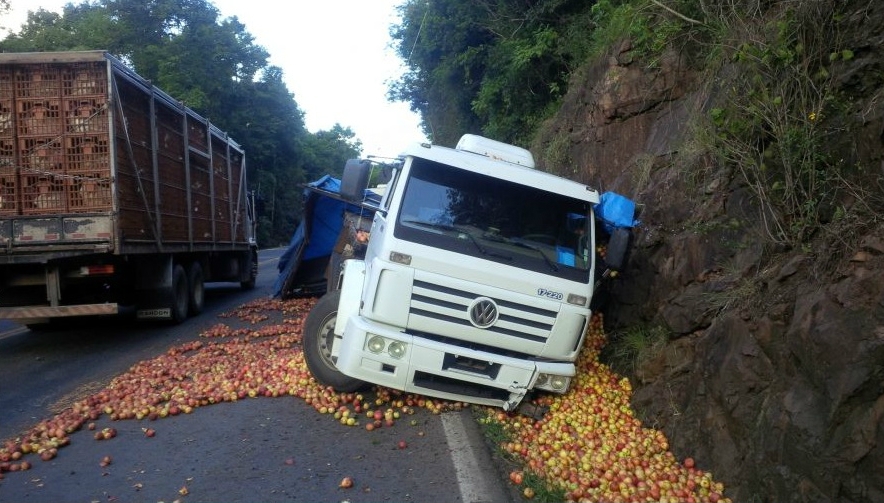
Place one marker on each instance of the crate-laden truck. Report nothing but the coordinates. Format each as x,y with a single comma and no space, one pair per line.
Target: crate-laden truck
477,281
114,196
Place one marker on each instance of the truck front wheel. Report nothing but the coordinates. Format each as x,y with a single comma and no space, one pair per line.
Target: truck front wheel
318,341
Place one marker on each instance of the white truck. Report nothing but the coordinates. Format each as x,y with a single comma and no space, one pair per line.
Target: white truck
476,281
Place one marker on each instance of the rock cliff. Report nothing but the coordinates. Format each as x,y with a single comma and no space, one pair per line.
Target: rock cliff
773,374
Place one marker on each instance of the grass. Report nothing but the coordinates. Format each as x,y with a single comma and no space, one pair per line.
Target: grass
630,348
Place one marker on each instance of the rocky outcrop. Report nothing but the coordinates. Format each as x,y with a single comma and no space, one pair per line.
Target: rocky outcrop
774,375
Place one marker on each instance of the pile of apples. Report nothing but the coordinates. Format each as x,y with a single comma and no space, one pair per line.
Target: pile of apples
589,444
225,364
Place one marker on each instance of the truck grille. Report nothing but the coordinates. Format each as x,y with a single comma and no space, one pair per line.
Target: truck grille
441,303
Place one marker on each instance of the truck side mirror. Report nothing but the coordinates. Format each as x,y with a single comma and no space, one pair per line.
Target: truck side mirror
355,179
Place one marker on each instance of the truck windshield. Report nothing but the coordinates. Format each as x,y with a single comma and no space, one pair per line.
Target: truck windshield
496,220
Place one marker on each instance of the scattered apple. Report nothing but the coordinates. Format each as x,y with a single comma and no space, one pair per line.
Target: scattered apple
346,483
589,444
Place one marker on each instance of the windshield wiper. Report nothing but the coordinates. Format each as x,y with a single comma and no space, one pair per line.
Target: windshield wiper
431,225
552,266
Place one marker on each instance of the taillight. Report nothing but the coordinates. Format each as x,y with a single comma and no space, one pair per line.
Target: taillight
97,270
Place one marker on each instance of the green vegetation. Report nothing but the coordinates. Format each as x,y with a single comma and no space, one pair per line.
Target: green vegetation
628,349
491,67
780,113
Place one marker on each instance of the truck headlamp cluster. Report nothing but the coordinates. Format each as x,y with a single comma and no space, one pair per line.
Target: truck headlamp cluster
377,345
396,349
554,383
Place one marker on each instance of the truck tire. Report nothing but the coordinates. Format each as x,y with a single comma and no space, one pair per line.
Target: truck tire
197,289
319,335
249,284
180,295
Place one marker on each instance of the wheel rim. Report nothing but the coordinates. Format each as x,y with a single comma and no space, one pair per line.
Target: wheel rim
326,340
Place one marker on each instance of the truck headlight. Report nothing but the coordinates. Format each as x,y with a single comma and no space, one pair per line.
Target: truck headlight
551,382
376,344
397,349
559,383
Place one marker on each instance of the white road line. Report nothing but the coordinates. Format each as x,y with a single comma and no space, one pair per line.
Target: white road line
474,487
14,331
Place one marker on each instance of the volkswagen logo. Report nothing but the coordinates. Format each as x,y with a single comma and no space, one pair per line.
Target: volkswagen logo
483,312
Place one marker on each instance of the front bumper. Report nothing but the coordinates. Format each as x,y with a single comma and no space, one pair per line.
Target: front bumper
438,369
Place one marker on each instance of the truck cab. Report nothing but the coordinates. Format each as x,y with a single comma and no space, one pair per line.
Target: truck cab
476,283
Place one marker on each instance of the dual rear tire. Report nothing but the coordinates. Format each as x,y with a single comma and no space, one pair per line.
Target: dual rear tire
188,293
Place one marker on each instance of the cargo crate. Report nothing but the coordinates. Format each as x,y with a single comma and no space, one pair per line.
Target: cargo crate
42,194
86,115
41,154
7,82
8,180
87,154
7,119
38,81
85,79
38,117
90,192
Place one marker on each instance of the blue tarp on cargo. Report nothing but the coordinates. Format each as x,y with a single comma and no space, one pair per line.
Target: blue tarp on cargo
302,266
615,211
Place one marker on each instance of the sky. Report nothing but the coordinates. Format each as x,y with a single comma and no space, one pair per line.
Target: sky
335,58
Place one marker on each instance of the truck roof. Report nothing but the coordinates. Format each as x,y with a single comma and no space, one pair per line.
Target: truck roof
52,57
489,166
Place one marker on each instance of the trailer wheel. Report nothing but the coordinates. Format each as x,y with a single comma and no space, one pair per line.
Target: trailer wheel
319,337
180,298
196,283
249,283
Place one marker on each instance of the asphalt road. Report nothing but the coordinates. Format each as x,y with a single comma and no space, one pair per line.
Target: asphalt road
258,449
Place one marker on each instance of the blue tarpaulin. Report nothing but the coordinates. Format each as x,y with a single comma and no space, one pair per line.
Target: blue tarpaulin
302,265
615,211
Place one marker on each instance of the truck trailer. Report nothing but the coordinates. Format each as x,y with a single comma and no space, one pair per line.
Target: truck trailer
477,280
114,196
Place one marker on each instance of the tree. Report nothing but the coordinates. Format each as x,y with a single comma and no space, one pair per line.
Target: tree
495,67
326,152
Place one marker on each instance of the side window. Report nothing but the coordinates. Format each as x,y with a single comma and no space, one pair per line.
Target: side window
391,188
